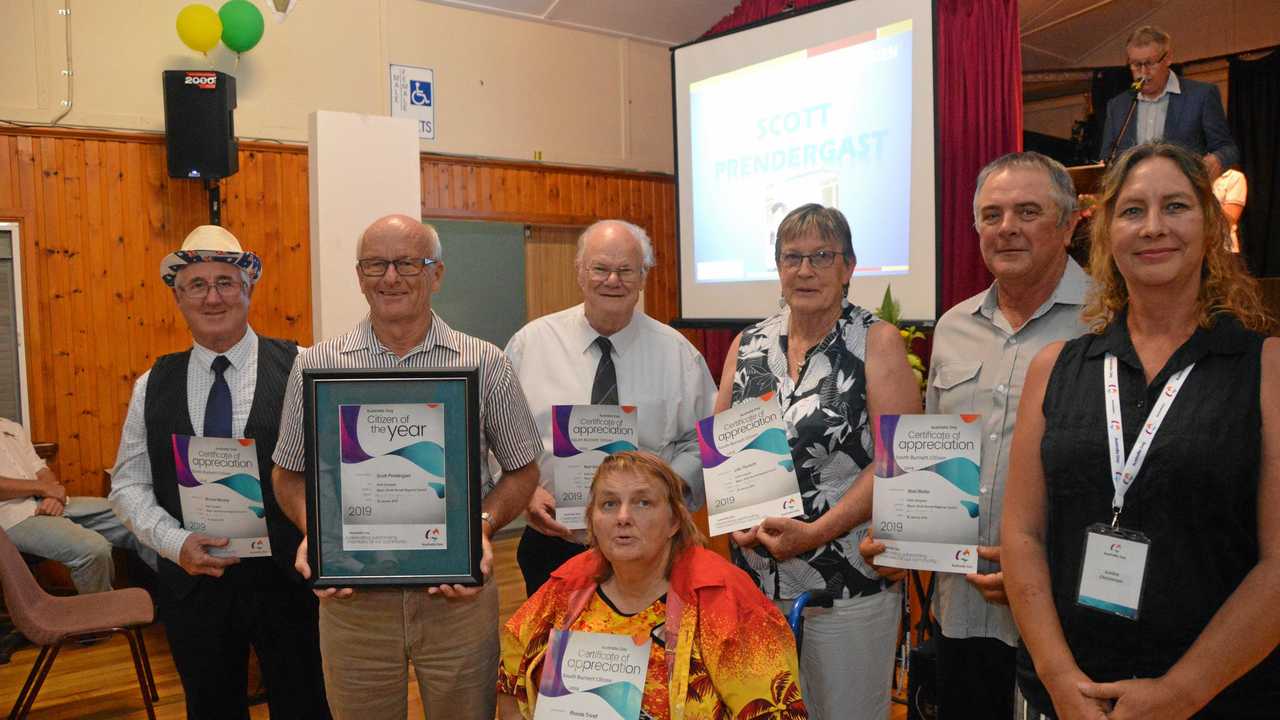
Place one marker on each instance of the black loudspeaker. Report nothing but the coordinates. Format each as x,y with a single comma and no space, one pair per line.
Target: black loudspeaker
199,129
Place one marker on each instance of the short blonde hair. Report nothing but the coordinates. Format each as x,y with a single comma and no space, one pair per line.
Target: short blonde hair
1225,287
1149,35
649,466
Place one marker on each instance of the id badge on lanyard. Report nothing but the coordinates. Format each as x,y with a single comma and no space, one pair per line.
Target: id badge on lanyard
1114,569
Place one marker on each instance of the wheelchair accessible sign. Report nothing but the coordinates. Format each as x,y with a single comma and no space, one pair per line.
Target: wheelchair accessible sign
413,96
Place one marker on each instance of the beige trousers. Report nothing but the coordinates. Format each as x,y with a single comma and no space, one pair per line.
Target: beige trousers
368,642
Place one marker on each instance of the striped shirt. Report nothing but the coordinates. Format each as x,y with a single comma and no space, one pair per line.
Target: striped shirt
509,431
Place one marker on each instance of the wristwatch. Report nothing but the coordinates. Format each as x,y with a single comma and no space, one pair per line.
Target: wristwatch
486,517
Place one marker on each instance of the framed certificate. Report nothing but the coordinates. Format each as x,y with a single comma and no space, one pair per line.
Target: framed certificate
393,476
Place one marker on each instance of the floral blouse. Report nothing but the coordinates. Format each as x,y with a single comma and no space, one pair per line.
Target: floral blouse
831,442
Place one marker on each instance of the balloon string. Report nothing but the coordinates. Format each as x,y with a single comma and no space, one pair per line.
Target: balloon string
237,65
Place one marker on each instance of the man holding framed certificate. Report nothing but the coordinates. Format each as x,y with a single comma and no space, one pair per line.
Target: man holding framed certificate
196,446
403,407
1024,212
604,352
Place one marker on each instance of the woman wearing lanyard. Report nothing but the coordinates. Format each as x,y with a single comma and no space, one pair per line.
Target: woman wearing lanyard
1141,538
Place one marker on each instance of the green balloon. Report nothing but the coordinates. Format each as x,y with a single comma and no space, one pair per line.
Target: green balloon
241,25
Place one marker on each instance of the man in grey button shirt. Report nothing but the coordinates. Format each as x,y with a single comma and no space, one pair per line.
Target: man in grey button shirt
1024,210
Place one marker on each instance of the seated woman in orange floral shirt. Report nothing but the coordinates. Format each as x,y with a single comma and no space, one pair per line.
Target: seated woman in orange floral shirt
720,648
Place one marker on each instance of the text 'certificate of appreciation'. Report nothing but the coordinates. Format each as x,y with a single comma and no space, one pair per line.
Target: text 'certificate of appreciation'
392,478
582,436
220,492
588,675
925,504
747,466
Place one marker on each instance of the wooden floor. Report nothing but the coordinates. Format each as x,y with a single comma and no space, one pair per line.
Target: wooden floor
98,682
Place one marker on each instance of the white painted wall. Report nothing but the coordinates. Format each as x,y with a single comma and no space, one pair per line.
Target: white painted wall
361,167
504,87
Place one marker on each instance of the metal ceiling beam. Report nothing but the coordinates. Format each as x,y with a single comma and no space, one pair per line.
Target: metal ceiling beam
1124,31
1066,18
1064,58
1047,9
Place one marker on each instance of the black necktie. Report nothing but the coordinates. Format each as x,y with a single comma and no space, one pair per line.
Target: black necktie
604,391
217,412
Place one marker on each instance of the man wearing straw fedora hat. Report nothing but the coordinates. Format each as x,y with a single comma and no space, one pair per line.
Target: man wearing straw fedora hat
229,384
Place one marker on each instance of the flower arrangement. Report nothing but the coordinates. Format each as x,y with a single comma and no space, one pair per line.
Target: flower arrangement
890,311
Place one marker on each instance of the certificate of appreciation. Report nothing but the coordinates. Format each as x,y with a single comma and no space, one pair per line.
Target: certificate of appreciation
747,466
393,476
220,492
592,675
582,436
925,504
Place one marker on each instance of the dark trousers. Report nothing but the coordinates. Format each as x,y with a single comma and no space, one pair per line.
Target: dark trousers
539,555
210,631
975,678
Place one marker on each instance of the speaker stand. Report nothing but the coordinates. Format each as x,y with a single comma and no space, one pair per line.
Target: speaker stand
215,200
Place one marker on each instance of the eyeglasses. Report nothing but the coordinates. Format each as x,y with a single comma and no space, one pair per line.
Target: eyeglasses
199,289
818,261
600,273
405,267
1025,213
1148,64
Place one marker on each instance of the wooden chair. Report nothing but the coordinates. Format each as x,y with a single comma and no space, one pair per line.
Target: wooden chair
50,621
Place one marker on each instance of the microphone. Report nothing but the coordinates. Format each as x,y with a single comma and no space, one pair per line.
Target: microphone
1136,87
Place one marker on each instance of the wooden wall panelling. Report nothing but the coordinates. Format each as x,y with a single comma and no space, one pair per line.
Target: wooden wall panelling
550,281
96,213
548,195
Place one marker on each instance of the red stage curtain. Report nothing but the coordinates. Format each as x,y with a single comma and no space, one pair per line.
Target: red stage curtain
749,11
979,115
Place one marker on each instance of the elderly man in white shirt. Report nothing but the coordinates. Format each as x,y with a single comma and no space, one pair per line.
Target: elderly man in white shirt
42,520
606,351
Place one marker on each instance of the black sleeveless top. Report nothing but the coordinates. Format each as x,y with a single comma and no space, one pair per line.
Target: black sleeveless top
1195,498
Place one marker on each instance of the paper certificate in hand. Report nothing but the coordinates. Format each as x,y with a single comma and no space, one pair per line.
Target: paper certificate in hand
592,675
925,504
220,492
392,476
747,466
582,436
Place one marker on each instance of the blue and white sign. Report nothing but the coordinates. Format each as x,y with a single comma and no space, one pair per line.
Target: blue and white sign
413,96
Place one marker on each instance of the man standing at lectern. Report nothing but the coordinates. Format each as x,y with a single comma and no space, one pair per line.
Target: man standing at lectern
1180,111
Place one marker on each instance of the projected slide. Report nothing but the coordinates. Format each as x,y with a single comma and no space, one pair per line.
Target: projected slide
829,124
833,105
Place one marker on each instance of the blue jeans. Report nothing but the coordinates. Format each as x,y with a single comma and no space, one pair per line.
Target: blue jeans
81,538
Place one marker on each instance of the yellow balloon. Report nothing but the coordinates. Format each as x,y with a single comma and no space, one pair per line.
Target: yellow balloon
199,27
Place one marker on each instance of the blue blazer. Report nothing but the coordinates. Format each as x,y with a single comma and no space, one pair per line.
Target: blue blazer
1195,121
